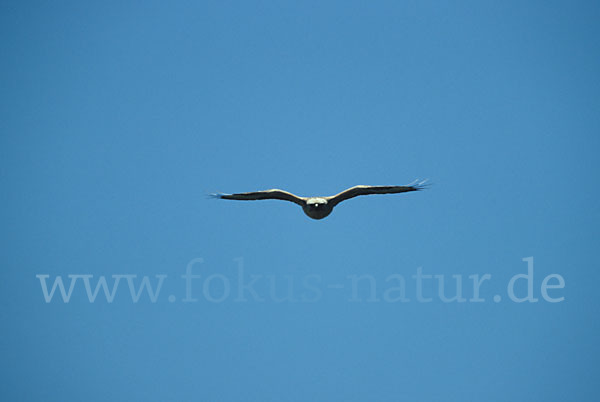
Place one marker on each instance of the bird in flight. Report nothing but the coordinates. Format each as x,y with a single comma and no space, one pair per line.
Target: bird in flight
320,207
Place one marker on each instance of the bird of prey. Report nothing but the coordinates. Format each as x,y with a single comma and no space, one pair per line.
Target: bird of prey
320,207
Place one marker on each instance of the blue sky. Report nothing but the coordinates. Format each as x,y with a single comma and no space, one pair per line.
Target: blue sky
118,118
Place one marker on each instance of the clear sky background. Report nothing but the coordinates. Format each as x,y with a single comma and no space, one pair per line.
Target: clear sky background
117,118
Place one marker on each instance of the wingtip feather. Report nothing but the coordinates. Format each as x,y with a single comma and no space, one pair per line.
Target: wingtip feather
420,184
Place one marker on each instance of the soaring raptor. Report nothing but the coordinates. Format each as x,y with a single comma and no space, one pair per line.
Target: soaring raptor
320,207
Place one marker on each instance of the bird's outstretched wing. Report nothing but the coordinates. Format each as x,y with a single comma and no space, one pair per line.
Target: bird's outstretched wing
273,194
366,190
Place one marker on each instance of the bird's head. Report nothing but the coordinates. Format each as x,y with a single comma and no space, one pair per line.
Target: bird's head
316,202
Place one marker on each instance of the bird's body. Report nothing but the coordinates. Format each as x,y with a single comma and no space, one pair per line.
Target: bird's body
320,207
317,208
